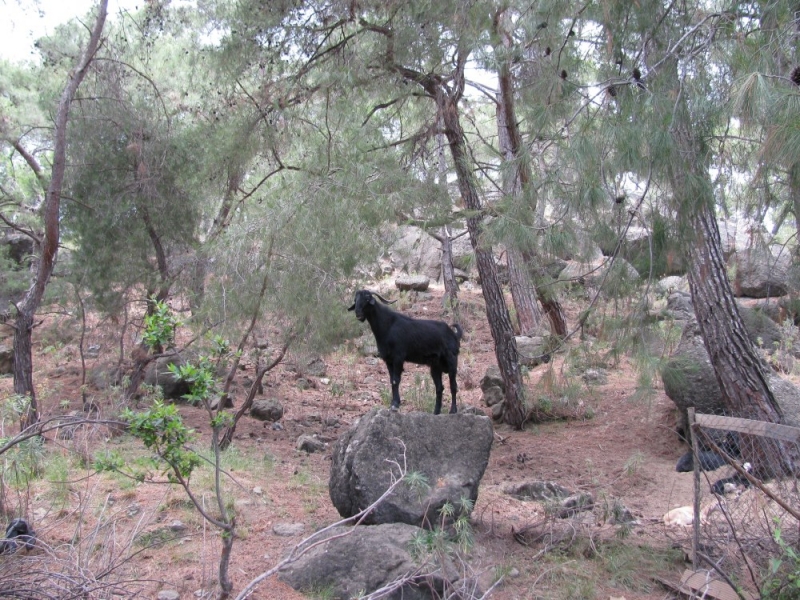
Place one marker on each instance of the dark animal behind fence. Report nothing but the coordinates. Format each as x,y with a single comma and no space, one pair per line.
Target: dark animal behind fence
17,534
403,339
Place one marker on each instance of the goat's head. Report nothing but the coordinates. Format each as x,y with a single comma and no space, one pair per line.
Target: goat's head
364,299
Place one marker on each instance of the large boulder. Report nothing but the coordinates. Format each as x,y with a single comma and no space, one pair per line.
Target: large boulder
689,380
449,451
157,373
761,271
415,251
361,560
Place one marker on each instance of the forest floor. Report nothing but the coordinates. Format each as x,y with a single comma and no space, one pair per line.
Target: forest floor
622,449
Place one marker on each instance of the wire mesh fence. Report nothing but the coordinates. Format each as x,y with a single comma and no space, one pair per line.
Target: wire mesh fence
747,504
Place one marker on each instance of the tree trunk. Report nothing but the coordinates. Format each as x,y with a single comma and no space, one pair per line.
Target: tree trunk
23,325
496,309
448,273
739,370
447,99
529,317
517,183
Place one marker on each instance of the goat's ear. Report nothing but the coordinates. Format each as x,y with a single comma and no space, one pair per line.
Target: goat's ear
352,307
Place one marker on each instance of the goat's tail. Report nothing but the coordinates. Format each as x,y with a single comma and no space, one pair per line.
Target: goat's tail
458,330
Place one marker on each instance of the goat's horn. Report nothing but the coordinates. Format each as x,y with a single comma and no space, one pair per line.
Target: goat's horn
384,300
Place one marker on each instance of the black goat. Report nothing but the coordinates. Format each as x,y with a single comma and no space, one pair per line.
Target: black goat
17,533
403,339
709,461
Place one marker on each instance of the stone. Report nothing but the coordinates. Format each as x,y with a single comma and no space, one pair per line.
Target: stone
157,373
168,595
450,452
412,283
359,560
288,529
310,444
269,409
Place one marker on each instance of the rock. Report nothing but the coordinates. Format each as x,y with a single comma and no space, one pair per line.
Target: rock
177,526
540,491
595,376
593,273
412,283
415,251
157,373
532,351
680,307
6,359
493,395
761,272
310,444
576,503
269,409
450,451
288,529
314,367
92,351
214,403
168,595
362,561
671,284
492,378
104,376
689,380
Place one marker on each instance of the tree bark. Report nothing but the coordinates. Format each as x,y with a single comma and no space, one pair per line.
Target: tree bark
23,325
738,368
496,309
448,273
517,183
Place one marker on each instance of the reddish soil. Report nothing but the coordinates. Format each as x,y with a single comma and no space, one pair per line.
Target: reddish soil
624,452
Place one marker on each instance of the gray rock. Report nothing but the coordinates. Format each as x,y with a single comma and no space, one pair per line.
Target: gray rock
450,451
493,395
412,283
310,444
268,409
679,305
671,284
288,529
6,359
314,367
158,374
492,378
364,560
761,273
177,526
415,251
540,491
532,351
689,380
168,595
576,503
595,376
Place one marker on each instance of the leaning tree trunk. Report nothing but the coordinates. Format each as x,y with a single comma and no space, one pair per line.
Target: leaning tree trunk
739,370
496,309
26,309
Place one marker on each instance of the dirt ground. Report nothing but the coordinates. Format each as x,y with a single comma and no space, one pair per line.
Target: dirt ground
623,452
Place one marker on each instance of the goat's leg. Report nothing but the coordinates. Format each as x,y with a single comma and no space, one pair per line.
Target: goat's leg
436,374
453,390
395,372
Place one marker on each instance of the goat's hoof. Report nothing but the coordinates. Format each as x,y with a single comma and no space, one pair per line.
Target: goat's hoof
394,408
